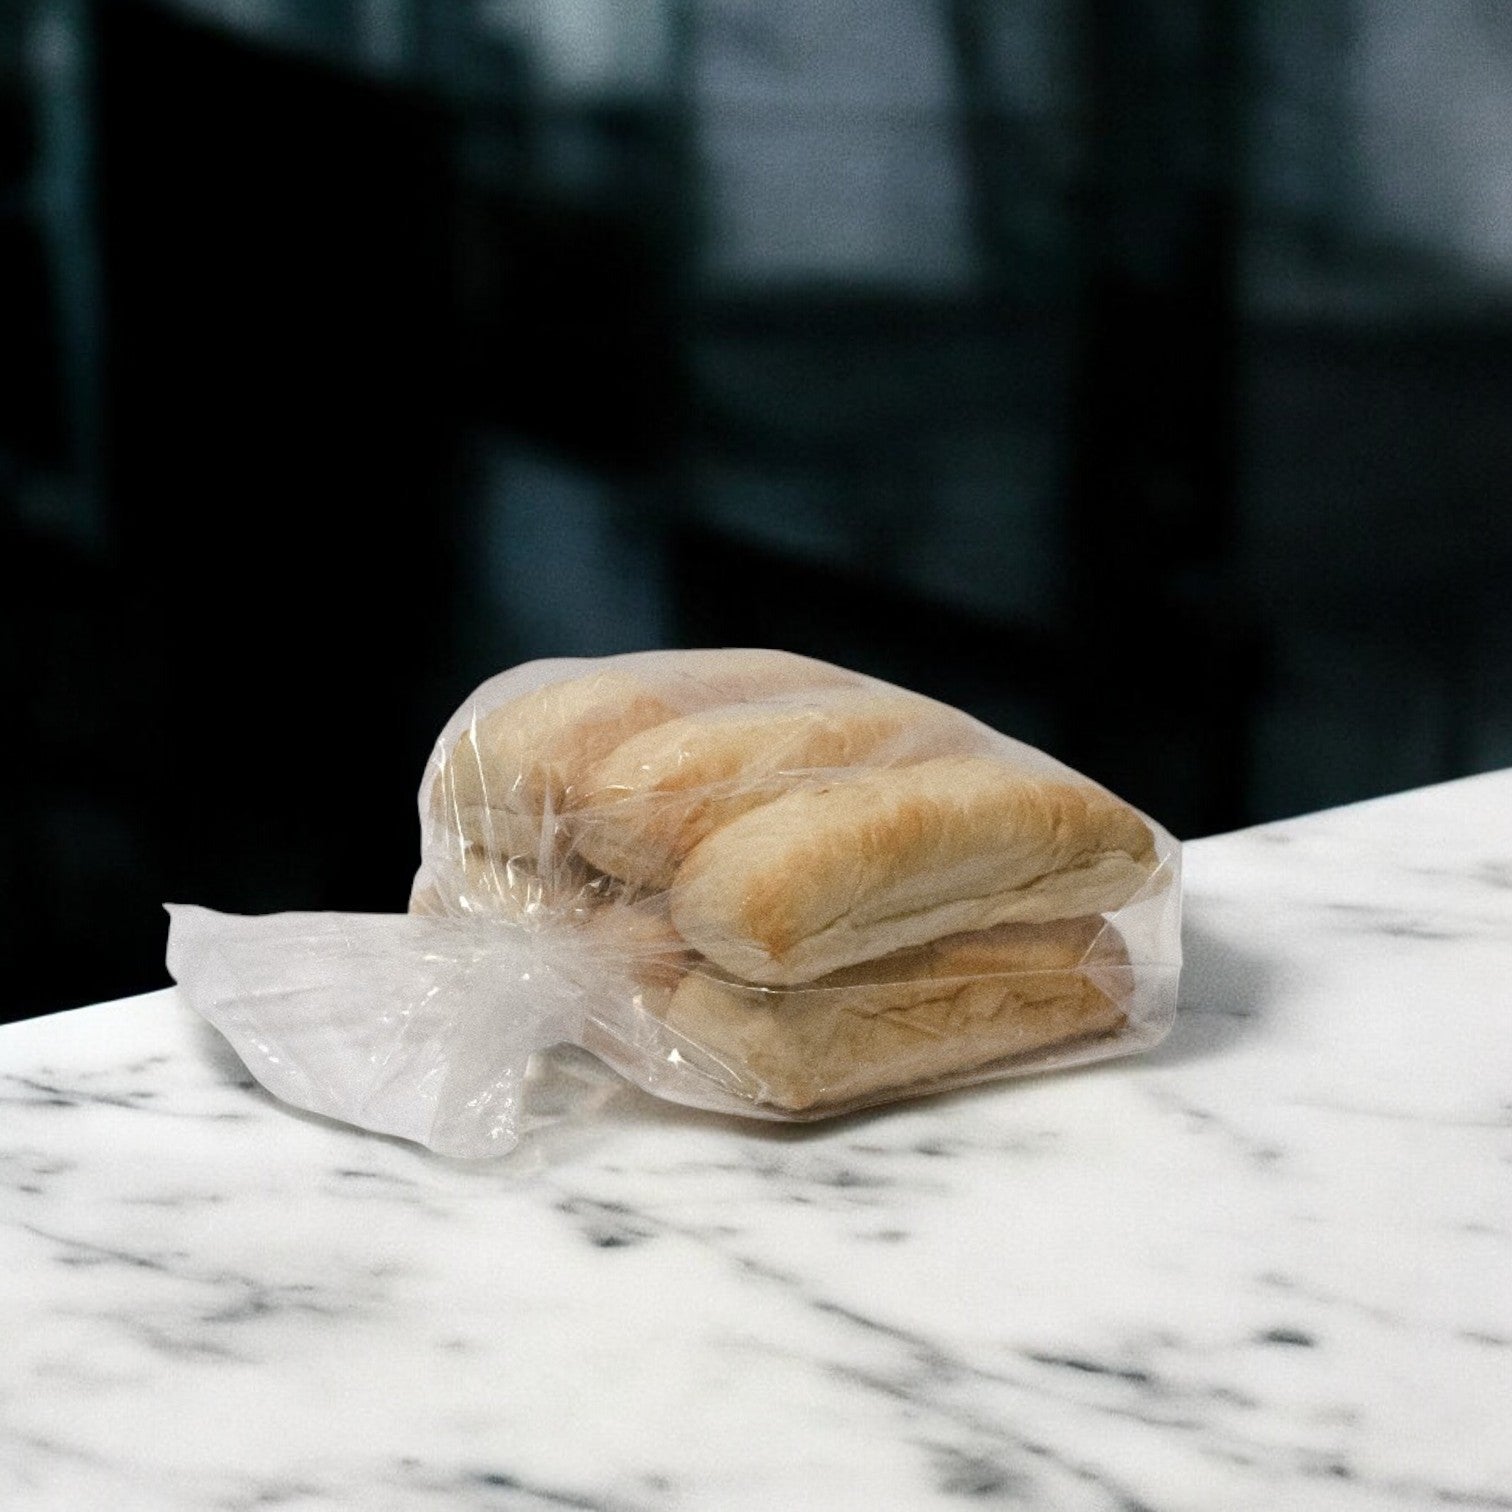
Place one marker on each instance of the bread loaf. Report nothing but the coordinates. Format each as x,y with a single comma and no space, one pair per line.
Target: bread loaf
824,878
910,1021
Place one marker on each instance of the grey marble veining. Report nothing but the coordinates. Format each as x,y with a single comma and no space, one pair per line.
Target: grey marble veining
1268,1265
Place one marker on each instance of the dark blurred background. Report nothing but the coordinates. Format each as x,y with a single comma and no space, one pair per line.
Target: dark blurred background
1135,374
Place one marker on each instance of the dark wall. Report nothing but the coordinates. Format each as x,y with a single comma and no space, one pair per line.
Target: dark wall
244,701
329,389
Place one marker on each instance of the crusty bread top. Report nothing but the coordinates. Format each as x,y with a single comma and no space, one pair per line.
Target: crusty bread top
823,878
653,798
536,749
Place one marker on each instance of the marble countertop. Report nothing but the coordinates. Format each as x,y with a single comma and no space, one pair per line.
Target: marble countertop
1268,1265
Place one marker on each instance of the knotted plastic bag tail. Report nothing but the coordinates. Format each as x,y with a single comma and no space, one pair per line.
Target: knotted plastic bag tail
420,1028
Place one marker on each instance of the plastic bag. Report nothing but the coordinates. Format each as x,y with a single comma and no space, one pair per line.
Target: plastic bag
748,881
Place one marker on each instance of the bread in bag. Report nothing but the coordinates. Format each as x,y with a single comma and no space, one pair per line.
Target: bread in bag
505,783
659,793
877,861
909,1022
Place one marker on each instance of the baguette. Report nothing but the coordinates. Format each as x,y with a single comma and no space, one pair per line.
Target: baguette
824,878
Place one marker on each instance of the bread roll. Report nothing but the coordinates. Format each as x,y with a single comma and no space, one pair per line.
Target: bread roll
654,797
823,878
527,759
914,1019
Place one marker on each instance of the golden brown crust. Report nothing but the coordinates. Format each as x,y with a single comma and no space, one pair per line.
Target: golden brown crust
922,1017
821,879
653,798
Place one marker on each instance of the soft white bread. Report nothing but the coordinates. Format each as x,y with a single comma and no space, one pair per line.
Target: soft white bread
908,1022
526,760
654,797
826,877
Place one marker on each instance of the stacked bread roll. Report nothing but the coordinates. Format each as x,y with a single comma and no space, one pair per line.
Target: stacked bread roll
832,891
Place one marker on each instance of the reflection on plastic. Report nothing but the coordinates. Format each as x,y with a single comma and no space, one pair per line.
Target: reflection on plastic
747,881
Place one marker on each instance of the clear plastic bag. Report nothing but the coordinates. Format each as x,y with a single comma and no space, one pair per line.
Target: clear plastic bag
747,881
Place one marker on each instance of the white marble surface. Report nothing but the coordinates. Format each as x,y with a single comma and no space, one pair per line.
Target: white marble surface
1267,1266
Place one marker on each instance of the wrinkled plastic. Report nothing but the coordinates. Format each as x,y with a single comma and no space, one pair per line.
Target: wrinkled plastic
748,882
